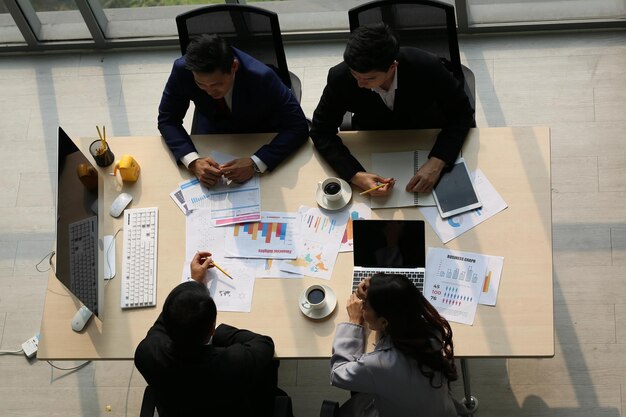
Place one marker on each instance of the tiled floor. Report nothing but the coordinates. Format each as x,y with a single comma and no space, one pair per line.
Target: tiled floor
574,83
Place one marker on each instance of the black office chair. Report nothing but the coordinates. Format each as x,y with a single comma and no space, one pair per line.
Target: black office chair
150,407
251,29
426,24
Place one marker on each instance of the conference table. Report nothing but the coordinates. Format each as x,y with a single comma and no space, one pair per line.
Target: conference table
515,160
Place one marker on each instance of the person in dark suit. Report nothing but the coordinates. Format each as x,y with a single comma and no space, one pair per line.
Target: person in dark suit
232,93
196,369
388,87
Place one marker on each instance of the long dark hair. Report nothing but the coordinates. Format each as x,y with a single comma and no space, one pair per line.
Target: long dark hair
414,326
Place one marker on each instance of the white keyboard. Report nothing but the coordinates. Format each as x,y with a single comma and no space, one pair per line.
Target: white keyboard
139,265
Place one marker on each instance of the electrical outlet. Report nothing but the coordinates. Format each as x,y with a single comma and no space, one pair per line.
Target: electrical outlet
30,346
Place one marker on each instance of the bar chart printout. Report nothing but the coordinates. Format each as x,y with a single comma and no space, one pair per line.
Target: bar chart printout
454,282
271,238
317,243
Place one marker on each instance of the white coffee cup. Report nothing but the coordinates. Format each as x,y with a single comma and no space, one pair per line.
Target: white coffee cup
314,298
331,187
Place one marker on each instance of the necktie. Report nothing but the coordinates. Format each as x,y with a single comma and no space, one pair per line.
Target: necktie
222,110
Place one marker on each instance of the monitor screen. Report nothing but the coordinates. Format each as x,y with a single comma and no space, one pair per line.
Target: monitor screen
79,257
389,243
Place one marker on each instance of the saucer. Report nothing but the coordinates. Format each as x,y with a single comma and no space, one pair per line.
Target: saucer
346,195
331,303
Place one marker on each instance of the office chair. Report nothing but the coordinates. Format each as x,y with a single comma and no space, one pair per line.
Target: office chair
251,29
150,407
426,24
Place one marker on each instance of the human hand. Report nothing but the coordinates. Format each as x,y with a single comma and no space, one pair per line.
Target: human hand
367,180
206,170
361,289
238,170
355,309
200,263
426,177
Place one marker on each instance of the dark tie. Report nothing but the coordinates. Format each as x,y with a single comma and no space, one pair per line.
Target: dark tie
222,111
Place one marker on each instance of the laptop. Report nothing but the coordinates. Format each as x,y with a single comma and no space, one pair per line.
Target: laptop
391,247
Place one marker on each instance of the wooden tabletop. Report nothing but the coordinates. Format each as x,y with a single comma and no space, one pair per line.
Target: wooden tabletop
515,160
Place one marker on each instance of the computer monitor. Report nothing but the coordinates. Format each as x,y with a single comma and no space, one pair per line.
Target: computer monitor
79,248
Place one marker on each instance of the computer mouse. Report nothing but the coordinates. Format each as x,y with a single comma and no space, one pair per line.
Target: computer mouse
119,204
81,318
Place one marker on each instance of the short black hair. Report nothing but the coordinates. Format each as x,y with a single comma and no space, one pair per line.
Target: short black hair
371,48
209,53
189,314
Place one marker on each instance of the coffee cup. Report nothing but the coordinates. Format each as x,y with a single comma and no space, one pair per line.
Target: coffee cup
331,188
314,298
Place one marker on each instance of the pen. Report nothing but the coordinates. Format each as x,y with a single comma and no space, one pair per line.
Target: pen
224,272
375,188
104,144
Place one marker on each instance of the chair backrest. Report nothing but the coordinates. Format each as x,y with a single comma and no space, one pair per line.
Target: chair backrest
426,24
251,29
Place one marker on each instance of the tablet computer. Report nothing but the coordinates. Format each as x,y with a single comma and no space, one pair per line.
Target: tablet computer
455,192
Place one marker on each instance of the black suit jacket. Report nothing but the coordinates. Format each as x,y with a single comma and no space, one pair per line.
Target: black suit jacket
261,104
233,376
427,96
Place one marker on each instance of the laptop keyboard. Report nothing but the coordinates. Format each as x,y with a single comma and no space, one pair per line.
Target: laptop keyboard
417,278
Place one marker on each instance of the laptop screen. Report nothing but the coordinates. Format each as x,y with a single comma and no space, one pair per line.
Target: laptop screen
389,243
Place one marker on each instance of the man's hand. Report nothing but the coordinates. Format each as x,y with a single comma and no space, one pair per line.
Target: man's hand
367,180
355,309
206,170
361,289
426,177
199,265
238,170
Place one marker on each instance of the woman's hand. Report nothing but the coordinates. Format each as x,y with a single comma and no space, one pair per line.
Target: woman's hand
361,290
355,310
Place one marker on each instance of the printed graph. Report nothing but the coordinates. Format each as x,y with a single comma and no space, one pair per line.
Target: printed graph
319,223
268,231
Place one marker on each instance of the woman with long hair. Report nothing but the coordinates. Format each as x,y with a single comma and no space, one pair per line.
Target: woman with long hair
409,371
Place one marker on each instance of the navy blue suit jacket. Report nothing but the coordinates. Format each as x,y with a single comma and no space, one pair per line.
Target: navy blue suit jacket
428,96
261,103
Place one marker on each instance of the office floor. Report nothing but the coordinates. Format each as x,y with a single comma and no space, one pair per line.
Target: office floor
574,83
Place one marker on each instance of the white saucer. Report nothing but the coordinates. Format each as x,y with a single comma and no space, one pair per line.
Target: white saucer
331,303
346,195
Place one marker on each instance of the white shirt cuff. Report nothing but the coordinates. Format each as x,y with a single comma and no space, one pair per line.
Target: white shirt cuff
189,158
260,164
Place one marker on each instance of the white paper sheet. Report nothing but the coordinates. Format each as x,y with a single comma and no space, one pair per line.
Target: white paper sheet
452,227
270,268
357,211
453,283
271,238
317,243
229,294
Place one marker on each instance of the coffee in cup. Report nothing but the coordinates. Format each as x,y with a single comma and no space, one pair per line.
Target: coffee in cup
331,187
314,297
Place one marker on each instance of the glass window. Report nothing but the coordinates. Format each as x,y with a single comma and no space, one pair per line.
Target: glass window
516,11
9,33
60,20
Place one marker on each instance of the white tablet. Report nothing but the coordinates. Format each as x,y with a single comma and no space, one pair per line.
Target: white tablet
455,192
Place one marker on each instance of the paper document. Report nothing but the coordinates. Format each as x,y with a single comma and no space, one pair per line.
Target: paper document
229,294
317,243
358,211
452,227
453,283
271,238
270,268
401,166
489,292
179,199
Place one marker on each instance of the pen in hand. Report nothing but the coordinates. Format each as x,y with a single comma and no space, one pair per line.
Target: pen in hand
217,266
377,187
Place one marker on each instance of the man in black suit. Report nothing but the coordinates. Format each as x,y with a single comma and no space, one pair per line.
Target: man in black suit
388,87
198,370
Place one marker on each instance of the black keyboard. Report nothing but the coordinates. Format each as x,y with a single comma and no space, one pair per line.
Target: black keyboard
417,278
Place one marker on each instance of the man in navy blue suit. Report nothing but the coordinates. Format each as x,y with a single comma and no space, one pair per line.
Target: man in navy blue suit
232,93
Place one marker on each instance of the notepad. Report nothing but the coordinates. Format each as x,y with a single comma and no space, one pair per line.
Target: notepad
401,166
